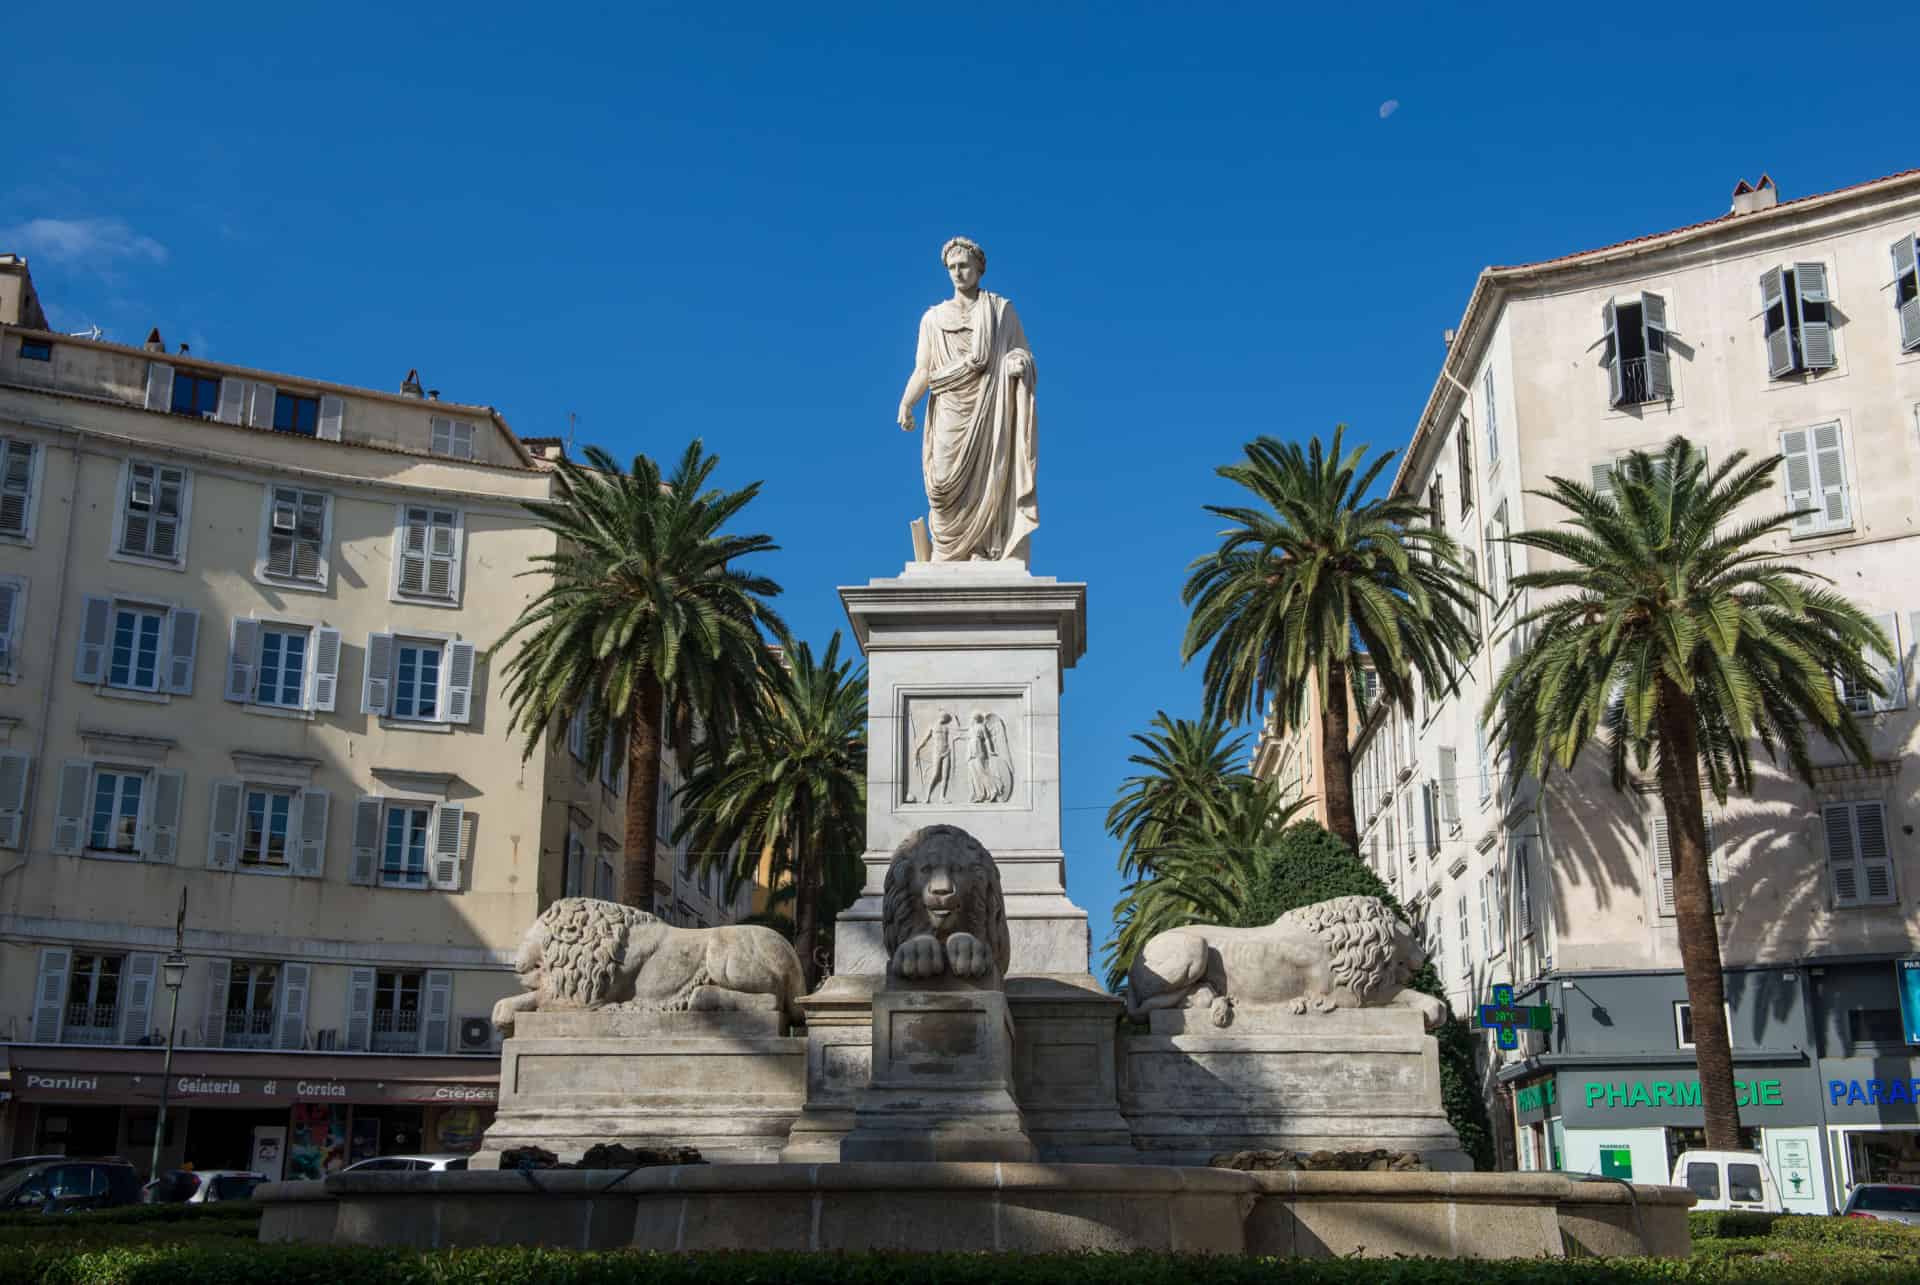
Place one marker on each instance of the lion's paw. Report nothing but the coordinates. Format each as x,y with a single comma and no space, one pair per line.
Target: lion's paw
1297,1005
920,956
967,956
1220,1012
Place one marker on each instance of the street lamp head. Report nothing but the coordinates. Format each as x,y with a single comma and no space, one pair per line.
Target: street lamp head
173,971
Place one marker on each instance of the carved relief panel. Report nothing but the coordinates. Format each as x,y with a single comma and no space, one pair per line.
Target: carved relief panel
963,750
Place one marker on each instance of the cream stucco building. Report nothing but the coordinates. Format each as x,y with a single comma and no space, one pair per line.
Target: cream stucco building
1779,327
244,620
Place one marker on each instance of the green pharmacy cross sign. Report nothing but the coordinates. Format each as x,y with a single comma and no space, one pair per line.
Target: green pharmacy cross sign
1509,1018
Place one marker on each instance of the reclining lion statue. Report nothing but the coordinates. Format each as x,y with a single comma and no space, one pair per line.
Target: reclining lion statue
1349,952
587,954
944,915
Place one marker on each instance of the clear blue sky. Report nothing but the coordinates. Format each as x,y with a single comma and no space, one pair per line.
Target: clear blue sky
724,221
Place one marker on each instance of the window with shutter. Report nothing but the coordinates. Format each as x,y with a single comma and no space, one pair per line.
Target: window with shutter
16,487
153,512
1906,290
449,836
1463,446
15,773
1811,314
1496,588
452,438
1491,415
295,537
1859,860
296,413
427,554
572,878
1487,949
1449,787
1466,941
1523,888
1635,350
404,843
1663,862
13,615
1816,479
1480,753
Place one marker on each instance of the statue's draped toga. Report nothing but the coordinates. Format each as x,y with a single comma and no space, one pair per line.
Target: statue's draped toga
978,453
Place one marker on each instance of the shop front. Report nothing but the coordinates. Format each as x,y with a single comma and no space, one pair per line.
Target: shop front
1632,1120
294,1115
1873,1119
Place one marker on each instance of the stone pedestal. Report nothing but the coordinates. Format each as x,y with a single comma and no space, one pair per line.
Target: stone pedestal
941,1087
839,1060
1350,1080
730,1083
1065,1068
959,640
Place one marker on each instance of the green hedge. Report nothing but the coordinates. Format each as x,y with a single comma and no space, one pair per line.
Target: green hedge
295,1265
221,1211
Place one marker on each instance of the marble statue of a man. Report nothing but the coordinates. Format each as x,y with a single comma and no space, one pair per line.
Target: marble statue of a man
975,368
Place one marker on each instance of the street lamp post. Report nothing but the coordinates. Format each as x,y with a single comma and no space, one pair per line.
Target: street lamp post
173,972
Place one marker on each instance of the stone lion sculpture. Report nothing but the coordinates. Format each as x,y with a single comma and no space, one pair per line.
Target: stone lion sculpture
1349,952
587,954
944,915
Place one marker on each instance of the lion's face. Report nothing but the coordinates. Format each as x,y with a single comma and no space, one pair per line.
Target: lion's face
1408,952
943,882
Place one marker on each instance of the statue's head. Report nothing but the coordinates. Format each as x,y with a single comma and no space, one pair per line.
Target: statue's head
942,881
964,261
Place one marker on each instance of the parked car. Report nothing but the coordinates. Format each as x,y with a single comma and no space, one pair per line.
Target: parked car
20,1162
225,1184
172,1187
408,1164
1887,1201
65,1185
1728,1180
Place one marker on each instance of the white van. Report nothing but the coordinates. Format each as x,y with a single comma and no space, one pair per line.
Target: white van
1728,1180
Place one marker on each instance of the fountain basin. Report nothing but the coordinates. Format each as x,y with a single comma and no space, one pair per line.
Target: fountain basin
982,1206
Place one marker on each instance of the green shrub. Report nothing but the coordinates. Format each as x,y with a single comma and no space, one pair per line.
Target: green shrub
1728,1224
230,1211
1863,1233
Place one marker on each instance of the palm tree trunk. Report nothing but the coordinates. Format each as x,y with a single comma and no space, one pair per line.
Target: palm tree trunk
806,901
1679,771
1336,759
643,794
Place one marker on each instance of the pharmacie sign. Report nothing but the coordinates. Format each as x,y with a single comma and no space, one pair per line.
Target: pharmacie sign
1602,1096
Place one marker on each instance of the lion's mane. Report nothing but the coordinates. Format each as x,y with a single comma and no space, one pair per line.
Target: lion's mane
583,945
1362,945
983,904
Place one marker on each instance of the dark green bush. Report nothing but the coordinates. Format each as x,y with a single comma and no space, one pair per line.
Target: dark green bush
290,1265
228,1211
1728,1224
1862,1233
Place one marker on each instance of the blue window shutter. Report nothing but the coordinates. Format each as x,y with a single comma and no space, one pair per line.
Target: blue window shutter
50,995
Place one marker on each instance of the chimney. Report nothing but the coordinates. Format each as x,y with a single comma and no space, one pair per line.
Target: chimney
1761,196
154,342
410,386
1446,337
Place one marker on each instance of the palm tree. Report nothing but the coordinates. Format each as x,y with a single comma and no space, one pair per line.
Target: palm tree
645,622
1310,579
1680,639
793,783
1204,869
1187,764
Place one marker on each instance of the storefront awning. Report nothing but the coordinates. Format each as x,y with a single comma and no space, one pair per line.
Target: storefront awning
231,1077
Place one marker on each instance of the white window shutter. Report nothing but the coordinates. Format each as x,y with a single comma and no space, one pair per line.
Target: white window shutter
163,817
310,852
460,664
50,994
219,974
333,414
96,626
1830,467
1428,810
159,386
1876,860
1616,375
366,838
1773,323
223,825
183,648
233,398
15,772
1892,676
260,399
70,807
243,653
1601,476
1816,335
1798,475
449,830
410,551
1523,890
1480,750
449,540
291,1016
1653,326
1449,785
326,668
136,1011
1662,866
1492,415
1906,289
437,1024
1843,866
376,686
360,1010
